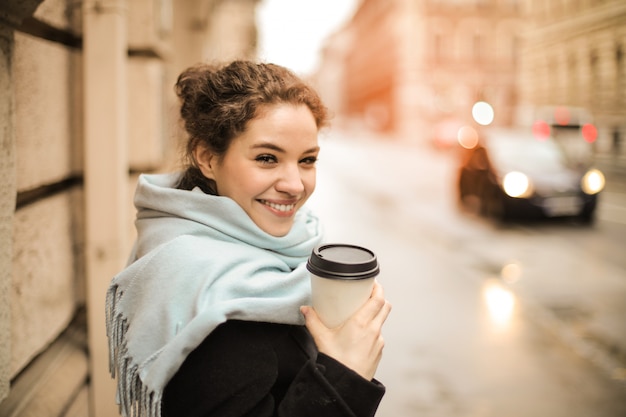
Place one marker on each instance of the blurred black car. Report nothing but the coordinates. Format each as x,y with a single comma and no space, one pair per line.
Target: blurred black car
515,174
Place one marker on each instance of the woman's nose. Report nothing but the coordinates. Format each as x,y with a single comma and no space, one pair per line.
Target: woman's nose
290,180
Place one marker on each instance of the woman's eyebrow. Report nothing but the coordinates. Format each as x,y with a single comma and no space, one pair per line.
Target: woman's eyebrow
313,149
268,145
274,147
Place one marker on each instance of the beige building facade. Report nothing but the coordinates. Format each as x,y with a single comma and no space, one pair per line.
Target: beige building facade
573,56
87,103
415,68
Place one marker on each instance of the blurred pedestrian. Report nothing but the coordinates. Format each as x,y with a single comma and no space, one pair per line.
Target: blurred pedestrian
211,316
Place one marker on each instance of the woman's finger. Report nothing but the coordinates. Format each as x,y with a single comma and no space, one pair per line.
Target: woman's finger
374,304
312,320
382,315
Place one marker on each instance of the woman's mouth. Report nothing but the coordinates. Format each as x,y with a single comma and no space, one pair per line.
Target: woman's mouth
282,208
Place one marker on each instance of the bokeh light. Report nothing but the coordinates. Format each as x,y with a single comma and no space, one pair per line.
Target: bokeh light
541,130
511,272
500,302
467,137
483,113
562,115
516,184
593,182
590,133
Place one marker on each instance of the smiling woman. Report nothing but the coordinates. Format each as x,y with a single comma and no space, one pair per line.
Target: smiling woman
270,168
211,316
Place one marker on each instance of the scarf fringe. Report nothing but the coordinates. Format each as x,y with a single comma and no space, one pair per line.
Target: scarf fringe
135,399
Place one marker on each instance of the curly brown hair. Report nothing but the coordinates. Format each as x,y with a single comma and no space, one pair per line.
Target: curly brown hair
218,101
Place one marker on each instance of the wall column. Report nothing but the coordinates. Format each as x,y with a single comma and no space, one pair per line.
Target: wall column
106,178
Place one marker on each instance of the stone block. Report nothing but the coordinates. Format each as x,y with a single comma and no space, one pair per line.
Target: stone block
56,13
46,132
43,288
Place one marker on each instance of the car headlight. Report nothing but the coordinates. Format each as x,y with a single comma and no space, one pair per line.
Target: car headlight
593,182
516,184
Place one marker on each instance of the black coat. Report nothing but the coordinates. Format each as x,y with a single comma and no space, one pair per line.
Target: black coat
263,369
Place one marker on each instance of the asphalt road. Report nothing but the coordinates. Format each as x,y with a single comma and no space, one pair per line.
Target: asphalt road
488,320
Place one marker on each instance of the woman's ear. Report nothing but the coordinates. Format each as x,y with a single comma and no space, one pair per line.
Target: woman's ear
205,160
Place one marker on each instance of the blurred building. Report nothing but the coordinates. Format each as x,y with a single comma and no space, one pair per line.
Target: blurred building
573,56
87,102
416,68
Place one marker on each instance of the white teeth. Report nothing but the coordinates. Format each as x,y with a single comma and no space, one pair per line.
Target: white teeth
280,207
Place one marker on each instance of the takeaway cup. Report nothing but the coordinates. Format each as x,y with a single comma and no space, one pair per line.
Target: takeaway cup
342,278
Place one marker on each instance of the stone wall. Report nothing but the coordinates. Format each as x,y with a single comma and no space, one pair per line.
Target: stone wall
48,206
46,232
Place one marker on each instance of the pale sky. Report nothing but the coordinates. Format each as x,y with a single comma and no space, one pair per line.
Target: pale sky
291,32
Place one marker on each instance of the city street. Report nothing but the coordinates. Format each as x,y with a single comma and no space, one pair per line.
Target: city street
488,320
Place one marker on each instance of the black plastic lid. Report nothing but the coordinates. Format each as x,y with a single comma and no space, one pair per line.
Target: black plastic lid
343,261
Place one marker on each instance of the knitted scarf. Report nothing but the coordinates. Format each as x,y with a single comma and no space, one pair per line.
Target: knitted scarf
199,260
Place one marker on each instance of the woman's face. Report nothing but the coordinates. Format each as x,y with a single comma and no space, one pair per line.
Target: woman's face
269,170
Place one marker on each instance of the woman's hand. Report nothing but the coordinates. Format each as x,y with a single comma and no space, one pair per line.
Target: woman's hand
357,343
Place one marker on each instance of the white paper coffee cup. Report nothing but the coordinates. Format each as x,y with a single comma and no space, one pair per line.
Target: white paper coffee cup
342,278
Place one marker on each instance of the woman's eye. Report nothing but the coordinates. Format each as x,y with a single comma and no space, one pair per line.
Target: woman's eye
311,160
266,159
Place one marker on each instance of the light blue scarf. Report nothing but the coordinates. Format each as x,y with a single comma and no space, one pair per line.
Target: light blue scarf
199,260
